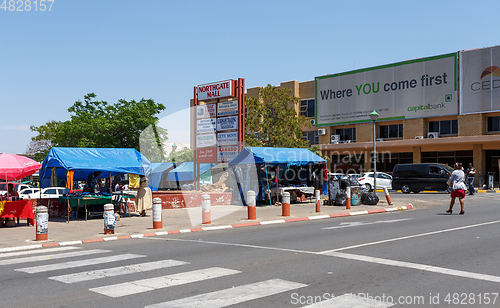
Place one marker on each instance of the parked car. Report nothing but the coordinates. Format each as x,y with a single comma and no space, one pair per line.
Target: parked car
17,187
54,192
418,177
29,193
383,180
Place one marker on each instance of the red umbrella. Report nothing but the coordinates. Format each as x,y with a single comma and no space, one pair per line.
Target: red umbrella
14,167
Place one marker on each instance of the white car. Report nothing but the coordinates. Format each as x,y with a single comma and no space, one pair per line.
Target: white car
383,180
29,193
53,192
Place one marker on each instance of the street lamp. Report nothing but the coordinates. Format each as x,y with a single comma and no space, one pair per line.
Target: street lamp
374,117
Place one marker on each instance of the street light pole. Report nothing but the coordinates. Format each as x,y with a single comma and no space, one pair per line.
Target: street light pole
374,117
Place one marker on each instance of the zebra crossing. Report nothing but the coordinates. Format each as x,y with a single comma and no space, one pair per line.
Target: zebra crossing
71,258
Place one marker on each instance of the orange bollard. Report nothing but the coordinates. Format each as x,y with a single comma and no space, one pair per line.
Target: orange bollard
318,198
387,197
348,201
252,214
285,207
42,223
206,217
157,214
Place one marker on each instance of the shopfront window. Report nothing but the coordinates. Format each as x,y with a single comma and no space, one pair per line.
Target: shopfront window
391,131
346,134
312,137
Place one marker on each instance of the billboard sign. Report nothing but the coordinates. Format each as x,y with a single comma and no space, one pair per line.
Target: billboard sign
227,123
417,88
206,155
480,80
230,138
225,154
215,90
206,140
205,111
227,108
206,126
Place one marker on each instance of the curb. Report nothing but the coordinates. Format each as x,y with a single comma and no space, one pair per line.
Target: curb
249,224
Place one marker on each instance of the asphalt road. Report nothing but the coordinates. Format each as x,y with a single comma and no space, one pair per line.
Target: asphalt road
417,258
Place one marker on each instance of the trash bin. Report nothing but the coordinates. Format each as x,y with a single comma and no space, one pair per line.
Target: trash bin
356,195
491,177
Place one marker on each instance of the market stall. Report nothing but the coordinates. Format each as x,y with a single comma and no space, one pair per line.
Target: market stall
271,171
80,162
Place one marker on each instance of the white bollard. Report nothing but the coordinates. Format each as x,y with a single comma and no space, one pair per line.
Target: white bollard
251,204
157,214
42,223
109,219
317,199
206,216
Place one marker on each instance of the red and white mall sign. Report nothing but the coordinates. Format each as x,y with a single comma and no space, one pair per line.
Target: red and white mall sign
215,90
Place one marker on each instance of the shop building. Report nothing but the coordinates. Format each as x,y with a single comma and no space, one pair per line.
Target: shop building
442,109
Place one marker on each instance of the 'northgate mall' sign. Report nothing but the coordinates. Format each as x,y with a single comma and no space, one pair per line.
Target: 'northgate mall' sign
215,90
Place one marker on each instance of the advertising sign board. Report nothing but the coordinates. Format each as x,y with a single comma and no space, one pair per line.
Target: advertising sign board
206,140
230,138
225,154
480,80
206,126
227,108
417,88
205,111
206,155
227,123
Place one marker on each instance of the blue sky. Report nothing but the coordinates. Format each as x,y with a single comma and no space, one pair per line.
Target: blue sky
123,49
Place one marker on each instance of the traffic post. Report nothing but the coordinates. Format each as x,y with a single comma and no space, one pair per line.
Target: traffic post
251,204
348,200
285,207
157,214
206,210
109,219
317,198
42,223
387,197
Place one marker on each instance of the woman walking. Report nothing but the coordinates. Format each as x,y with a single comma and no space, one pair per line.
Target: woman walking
458,187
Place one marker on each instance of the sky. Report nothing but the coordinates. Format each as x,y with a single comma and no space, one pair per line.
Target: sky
161,49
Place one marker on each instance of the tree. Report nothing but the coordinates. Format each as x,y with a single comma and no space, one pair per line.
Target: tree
98,124
183,155
271,119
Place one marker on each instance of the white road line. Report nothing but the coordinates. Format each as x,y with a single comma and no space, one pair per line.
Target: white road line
52,256
9,249
362,223
410,236
423,267
144,285
233,295
32,252
349,300
117,271
79,263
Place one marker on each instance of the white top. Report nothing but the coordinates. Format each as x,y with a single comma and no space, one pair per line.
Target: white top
457,178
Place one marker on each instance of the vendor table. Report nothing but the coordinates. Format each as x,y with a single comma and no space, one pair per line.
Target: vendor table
303,189
93,205
120,196
17,209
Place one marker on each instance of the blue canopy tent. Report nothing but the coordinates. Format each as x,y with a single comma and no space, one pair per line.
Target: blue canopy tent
244,167
109,161
158,169
184,172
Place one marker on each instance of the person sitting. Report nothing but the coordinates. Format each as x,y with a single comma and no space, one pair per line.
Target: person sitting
11,193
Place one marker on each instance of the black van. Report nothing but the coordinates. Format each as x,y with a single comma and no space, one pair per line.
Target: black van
418,177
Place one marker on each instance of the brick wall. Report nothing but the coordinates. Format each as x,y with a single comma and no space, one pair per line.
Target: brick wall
364,132
413,128
471,125
417,155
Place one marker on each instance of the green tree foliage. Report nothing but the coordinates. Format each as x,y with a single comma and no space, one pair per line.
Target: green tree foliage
98,124
272,121
180,156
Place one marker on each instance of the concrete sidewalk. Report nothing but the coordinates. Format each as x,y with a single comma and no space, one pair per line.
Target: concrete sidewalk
61,233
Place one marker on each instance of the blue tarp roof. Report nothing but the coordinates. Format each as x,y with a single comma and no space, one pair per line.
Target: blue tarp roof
261,155
184,172
157,172
110,161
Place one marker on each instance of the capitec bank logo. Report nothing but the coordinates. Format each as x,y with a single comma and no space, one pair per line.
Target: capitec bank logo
489,83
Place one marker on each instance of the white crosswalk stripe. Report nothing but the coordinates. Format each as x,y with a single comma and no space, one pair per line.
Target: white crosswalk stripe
348,301
79,263
234,295
117,271
36,251
52,256
143,285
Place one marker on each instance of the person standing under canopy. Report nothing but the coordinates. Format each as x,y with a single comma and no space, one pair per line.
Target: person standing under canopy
144,197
